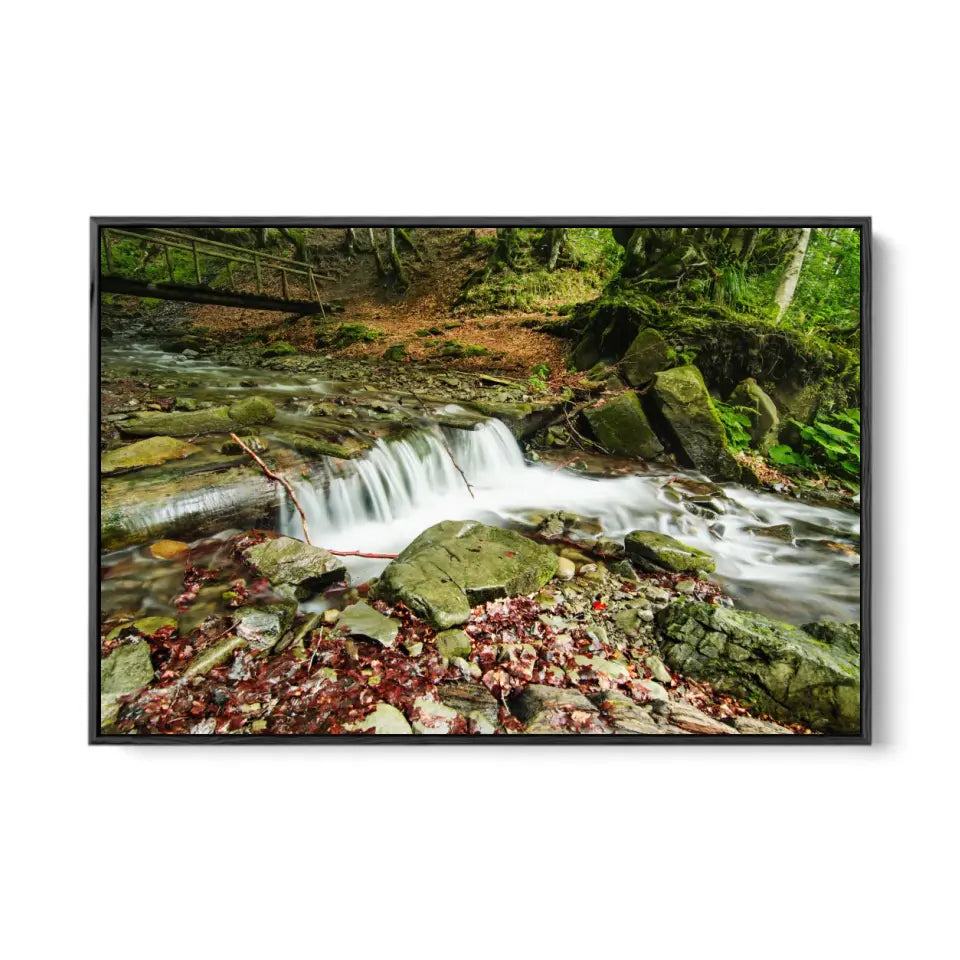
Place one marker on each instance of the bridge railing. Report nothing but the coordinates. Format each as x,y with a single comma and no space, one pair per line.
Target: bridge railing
197,247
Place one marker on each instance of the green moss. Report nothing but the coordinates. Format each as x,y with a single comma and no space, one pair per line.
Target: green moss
252,410
622,427
279,349
454,350
728,346
347,334
312,447
651,550
397,352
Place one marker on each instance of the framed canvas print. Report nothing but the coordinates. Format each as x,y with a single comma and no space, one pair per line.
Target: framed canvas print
480,480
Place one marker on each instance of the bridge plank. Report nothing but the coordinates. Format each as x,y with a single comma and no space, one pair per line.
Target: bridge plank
190,294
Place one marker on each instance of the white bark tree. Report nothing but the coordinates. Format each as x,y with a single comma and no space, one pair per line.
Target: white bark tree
791,273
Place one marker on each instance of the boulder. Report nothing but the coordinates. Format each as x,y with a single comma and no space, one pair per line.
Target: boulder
252,410
457,564
777,667
383,720
762,411
288,561
681,398
126,669
646,356
622,427
361,620
796,401
243,413
146,453
655,552
566,568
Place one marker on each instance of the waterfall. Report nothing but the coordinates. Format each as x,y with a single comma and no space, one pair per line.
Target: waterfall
380,502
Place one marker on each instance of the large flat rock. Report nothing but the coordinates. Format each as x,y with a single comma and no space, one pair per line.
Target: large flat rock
146,453
288,561
457,564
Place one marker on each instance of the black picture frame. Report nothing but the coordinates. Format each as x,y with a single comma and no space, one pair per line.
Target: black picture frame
863,224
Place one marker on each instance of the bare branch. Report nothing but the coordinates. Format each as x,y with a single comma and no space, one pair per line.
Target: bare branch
279,479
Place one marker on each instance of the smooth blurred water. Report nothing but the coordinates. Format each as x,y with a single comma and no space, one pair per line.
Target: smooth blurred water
403,486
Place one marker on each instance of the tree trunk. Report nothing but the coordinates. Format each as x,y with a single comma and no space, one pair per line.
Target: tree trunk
506,246
299,243
402,281
791,273
376,250
260,237
558,240
350,241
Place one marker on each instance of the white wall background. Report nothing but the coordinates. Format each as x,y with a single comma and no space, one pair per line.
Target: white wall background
501,107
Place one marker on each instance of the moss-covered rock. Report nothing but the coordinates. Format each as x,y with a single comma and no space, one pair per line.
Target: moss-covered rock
252,410
681,399
288,561
797,401
312,447
622,427
842,636
648,354
256,444
728,345
653,552
762,411
126,669
777,667
146,453
243,413
397,352
524,418
457,564
279,349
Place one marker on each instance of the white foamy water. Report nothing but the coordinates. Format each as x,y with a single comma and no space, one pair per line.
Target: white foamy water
379,503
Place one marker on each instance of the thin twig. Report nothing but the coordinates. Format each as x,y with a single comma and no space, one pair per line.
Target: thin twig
446,446
279,479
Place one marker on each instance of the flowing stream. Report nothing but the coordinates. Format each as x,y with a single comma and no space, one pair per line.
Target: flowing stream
403,486
378,503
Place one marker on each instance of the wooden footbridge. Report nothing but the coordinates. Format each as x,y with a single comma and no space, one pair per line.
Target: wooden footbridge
170,265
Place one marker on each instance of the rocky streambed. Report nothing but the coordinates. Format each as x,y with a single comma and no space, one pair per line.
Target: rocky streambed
556,594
